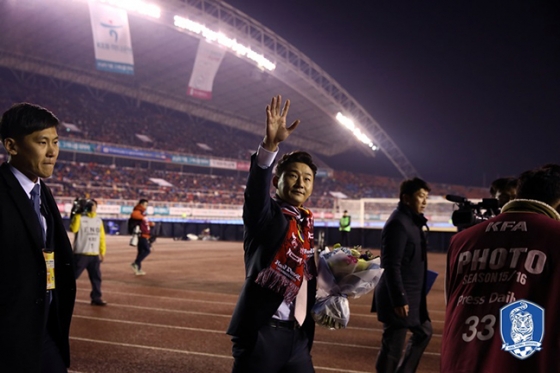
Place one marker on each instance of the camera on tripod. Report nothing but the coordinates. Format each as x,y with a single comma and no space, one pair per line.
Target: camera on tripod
470,213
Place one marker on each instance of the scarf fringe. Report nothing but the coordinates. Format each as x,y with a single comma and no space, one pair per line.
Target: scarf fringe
278,283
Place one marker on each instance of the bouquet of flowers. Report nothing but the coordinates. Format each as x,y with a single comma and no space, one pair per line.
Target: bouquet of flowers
342,273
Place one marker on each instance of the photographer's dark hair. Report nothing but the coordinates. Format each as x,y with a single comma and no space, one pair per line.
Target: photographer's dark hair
501,184
143,200
411,186
541,184
23,119
293,157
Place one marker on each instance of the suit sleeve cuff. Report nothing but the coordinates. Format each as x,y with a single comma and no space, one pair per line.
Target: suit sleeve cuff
265,158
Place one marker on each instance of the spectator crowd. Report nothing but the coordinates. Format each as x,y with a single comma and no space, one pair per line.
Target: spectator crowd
109,119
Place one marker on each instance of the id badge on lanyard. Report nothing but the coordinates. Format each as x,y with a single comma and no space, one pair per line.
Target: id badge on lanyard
49,261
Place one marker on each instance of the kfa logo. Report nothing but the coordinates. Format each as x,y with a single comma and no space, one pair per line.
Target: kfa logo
522,328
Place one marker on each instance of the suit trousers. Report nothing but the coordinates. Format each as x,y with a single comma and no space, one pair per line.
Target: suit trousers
392,342
277,350
93,265
51,360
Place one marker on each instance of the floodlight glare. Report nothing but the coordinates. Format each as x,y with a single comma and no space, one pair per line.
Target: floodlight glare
218,37
136,6
349,124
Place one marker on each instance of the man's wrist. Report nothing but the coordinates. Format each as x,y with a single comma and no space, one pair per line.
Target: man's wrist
270,146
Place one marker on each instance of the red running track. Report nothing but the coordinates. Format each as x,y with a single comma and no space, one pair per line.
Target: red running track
174,318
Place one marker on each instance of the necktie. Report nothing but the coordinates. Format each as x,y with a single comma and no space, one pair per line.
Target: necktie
36,200
301,303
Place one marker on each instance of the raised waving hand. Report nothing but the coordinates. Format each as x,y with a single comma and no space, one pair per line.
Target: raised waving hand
276,129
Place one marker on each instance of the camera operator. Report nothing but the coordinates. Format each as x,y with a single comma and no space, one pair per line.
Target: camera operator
89,245
507,261
502,190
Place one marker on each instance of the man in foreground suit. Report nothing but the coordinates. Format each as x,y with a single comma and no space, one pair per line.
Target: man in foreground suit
36,271
272,329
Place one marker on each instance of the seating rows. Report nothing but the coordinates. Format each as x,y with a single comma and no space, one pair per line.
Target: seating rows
127,183
111,119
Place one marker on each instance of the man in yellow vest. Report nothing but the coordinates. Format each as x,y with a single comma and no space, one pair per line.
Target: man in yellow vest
344,228
89,247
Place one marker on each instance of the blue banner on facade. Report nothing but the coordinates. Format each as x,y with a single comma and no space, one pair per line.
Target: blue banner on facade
193,161
76,146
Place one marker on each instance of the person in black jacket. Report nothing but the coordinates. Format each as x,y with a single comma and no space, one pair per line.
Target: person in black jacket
400,296
36,267
272,329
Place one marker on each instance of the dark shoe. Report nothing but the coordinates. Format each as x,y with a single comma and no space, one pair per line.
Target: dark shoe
99,302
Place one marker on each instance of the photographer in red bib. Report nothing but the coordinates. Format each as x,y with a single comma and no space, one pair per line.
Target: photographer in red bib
511,258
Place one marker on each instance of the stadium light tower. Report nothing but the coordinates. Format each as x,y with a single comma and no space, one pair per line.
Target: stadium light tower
217,37
349,124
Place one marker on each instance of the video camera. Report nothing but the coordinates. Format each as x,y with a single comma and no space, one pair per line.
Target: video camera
470,213
81,205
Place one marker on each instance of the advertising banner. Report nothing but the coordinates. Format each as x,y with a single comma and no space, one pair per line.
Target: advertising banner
228,213
111,38
134,153
126,210
243,166
109,209
219,163
161,210
190,160
76,146
208,60
180,211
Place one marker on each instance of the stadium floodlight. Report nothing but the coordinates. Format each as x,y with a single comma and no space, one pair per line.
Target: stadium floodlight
138,6
218,37
349,124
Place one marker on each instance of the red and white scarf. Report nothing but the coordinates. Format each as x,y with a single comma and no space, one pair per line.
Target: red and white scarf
294,256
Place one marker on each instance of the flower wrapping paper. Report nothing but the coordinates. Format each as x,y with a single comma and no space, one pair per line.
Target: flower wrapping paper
341,275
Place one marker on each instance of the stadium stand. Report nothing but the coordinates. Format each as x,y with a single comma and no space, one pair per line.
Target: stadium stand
109,119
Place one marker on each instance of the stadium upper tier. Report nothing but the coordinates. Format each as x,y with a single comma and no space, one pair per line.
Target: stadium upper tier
54,39
115,122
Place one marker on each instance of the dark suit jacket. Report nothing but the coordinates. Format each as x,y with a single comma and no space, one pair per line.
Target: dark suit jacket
403,257
264,230
23,278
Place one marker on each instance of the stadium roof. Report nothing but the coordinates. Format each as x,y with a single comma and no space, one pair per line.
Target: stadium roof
54,38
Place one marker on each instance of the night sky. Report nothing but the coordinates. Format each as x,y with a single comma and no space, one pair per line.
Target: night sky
469,91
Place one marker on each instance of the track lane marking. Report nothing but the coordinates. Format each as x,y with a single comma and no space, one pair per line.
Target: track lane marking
203,354
367,316
211,330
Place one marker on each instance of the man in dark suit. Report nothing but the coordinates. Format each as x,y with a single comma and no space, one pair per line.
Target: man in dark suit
400,296
272,329
36,271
